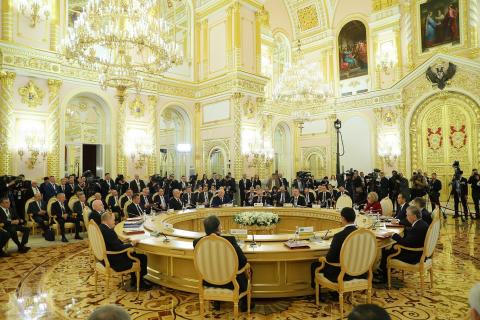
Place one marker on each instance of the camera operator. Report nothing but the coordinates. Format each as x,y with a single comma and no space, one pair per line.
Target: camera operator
383,186
419,185
434,187
474,181
121,185
460,192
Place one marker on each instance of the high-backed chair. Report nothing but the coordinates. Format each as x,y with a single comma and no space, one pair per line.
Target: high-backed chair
426,261
120,200
344,201
29,217
97,245
155,197
357,256
125,209
216,262
68,225
90,200
387,207
72,201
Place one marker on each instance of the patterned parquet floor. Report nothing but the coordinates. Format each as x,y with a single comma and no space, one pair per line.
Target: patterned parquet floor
56,282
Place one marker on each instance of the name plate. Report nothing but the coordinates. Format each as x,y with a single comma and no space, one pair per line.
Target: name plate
316,206
201,206
170,211
258,204
288,205
305,231
228,205
239,233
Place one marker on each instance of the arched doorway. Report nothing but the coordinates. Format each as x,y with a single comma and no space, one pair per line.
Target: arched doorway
175,141
282,148
444,128
316,165
217,162
86,135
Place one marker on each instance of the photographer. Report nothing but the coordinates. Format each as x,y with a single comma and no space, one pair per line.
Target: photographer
474,181
460,192
419,185
435,186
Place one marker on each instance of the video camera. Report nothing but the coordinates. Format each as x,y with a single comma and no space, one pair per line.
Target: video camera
304,174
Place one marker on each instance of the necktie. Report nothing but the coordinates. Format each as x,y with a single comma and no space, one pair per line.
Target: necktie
188,198
83,206
138,209
308,198
162,201
295,202
281,197
146,200
63,208
8,214
116,200
39,206
63,188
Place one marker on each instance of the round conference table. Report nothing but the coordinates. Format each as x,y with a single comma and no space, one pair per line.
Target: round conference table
278,271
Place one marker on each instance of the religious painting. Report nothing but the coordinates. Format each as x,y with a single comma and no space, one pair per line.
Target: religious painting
352,45
440,23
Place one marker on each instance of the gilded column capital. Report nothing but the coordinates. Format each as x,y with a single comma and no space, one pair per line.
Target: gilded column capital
198,106
7,78
237,96
53,86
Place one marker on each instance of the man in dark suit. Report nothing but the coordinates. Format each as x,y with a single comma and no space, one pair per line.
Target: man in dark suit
188,198
283,181
62,187
340,192
474,181
37,209
49,188
220,199
70,188
435,186
60,211
137,184
244,185
161,200
114,203
297,199
120,262
212,225
11,223
460,193
134,209
298,183
79,207
414,237
106,185
401,213
282,196
175,202
309,197
421,204
204,197
331,272
128,197
32,190
146,200
97,211
261,198
183,183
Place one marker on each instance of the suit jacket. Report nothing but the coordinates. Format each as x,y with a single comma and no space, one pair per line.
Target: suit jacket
426,216
62,189
158,202
463,187
401,214
57,210
118,262
265,200
218,202
256,183
311,198
300,201
77,207
134,186
123,201
435,187
333,255
29,193
243,186
337,194
414,237
4,219
69,190
286,198
143,202
175,204
95,216
133,211
201,197
122,188
34,208
186,203
284,182
49,191
111,203
105,186
298,184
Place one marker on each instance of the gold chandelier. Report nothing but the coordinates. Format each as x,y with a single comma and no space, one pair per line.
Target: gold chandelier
124,40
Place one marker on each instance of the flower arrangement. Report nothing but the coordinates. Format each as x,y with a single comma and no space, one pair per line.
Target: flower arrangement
256,218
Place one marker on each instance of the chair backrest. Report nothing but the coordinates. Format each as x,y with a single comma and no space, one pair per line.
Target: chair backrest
86,214
107,198
97,243
387,207
431,238
154,197
72,201
358,253
27,204
215,260
49,205
120,200
344,201
436,213
90,200
125,208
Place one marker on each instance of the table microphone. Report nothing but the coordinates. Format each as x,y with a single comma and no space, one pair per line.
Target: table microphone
166,238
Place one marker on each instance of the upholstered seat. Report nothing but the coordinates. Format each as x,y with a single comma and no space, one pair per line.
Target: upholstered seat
357,256
125,209
29,217
344,201
68,225
426,260
98,248
387,207
216,262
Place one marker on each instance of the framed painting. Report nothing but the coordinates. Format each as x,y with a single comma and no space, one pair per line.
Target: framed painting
440,23
352,46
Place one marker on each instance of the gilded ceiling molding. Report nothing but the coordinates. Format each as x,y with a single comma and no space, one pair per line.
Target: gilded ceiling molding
307,17
31,94
53,159
7,79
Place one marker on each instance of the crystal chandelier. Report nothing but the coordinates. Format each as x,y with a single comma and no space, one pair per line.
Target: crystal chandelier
123,39
301,83
35,9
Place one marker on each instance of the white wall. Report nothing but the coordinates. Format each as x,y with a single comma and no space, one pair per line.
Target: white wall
357,138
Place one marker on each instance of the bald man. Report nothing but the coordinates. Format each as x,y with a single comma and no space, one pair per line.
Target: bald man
97,211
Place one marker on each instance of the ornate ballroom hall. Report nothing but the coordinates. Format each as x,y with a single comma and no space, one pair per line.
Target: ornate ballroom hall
272,120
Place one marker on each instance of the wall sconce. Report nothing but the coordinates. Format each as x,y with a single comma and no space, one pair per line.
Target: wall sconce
138,147
386,57
34,146
36,10
300,117
389,148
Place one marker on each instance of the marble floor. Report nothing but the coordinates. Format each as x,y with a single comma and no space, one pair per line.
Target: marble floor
56,282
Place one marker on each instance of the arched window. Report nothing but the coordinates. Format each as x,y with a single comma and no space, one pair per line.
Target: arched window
282,149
